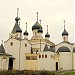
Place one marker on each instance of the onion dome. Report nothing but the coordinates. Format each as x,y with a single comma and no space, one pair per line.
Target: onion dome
40,30
16,26
47,34
36,25
64,32
26,33
63,49
17,19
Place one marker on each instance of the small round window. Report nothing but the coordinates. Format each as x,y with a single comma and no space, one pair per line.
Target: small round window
25,45
11,44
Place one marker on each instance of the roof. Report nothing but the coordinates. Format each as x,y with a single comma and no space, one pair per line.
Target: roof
36,26
2,50
16,28
63,49
5,54
40,30
52,48
65,42
65,32
74,49
49,42
46,48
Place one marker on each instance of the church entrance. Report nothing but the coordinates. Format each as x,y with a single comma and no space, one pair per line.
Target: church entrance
57,66
10,64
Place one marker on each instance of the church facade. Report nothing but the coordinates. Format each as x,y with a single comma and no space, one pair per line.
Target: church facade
37,53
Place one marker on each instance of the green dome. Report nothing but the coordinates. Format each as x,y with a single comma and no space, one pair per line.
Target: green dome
36,26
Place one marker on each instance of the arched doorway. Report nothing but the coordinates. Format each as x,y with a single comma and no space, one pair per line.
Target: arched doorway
4,63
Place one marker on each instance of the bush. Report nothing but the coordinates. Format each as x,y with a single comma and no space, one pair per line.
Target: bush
26,72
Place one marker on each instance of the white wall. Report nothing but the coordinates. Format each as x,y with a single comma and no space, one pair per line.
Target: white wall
18,46
65,60
46,63
13,50
22,53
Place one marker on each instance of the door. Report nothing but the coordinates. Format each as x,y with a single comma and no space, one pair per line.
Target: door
56,65
10,64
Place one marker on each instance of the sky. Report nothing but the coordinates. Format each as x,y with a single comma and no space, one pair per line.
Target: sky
51,13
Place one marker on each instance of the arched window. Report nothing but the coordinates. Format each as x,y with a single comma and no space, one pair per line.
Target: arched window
25,45
42,56
11,44
45,56
39,56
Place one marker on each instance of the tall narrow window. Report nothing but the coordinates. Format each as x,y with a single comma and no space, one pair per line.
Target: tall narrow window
25,45
35,33
45,56
11,44
39,56
64,38
42,56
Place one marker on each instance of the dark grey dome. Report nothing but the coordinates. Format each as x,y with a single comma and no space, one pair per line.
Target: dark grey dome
25,33
40,30
36,26
17,19
65,33
63,49
47,35
74,49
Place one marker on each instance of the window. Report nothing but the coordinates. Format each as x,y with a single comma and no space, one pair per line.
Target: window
35,33
39,56
42,56
45,56
25,45
64,38
11,44
31,58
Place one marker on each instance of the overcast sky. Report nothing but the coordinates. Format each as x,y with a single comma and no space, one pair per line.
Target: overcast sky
51,13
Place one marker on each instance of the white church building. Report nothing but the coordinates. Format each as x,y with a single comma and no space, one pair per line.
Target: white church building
37,53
